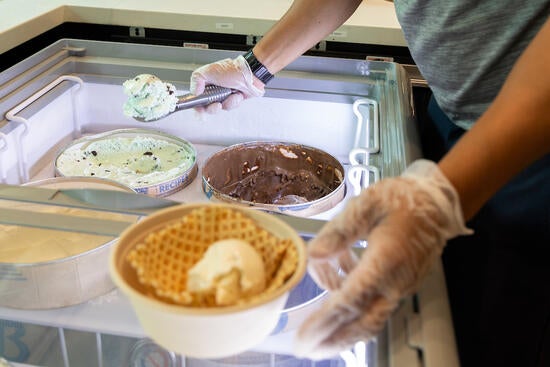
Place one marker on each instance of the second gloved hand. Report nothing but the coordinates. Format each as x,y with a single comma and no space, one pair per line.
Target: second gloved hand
229,73
406,221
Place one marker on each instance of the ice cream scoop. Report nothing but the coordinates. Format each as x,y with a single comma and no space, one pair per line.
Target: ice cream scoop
230,269
150,99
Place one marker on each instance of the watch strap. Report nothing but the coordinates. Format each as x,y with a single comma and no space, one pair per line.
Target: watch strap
258,69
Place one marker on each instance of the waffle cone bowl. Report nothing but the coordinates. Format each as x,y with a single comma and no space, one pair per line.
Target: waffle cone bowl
152,261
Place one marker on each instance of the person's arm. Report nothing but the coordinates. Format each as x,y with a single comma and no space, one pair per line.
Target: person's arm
305,24
407,220
511,134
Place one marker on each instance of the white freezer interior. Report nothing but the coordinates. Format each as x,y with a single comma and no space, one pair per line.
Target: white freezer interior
310,103
97,107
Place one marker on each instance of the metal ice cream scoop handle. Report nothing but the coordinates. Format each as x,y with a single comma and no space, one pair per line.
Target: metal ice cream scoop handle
211,94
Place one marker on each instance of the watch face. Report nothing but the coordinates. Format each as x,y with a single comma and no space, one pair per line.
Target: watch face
147,353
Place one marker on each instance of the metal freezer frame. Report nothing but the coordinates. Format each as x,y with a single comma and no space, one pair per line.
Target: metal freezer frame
418,333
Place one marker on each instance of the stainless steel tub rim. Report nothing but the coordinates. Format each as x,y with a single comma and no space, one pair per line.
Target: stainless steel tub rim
294,315
308,208
62,259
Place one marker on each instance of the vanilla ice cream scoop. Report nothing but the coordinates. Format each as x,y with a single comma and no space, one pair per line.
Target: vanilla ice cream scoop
230,269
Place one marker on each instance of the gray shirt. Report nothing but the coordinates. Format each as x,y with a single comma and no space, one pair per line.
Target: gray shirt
466,48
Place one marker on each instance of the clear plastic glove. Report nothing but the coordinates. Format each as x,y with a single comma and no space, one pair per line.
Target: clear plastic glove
229,73
406,222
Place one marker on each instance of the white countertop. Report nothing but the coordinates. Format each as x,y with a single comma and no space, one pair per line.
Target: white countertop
373,23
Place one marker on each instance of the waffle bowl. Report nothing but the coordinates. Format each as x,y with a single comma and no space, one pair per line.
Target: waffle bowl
193,325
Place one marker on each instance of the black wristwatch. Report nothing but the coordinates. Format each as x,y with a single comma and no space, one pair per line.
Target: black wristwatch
258,69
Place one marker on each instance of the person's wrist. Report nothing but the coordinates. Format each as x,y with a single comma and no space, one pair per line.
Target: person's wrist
258,69
257,83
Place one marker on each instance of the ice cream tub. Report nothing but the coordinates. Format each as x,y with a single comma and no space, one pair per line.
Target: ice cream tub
150,162
302,301
291,178
46,268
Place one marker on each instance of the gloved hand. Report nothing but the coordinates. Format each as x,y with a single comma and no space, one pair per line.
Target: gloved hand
229,73
406,222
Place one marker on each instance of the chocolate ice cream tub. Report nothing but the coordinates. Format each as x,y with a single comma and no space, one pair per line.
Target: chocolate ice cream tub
150,162
284,177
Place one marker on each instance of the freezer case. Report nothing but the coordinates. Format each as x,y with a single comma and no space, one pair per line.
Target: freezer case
358,111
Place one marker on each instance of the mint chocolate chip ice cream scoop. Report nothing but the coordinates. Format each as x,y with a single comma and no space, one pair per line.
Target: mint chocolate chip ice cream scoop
149,98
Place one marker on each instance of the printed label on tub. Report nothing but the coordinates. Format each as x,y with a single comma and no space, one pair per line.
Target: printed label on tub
11,272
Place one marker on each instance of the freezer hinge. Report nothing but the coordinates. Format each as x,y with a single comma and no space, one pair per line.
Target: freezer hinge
251,39
137,32
320,46
379,58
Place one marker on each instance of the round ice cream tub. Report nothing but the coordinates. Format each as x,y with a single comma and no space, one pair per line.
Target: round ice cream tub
302,301
150,162
37,282
291,178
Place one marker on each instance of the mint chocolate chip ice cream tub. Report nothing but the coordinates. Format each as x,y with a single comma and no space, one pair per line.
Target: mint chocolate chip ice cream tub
148,161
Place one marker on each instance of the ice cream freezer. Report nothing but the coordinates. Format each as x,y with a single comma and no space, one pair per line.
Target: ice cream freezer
358,111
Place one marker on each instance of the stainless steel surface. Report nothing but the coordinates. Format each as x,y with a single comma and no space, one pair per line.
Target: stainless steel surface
212,93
